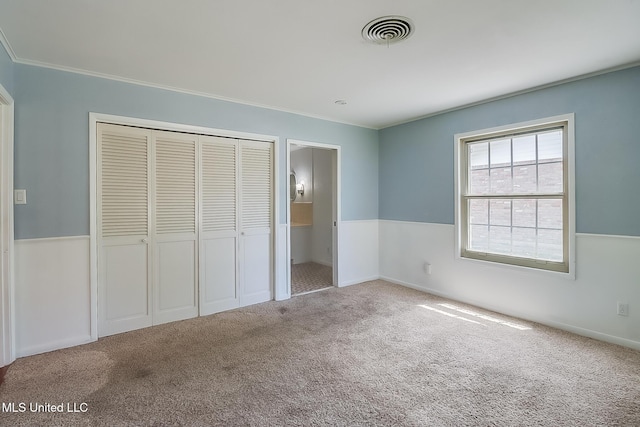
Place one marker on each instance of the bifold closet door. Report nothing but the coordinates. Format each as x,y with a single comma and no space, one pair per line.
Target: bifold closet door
219,224
256,219
175,207
184,226
124,253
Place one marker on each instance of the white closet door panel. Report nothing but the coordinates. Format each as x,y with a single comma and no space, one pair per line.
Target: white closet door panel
256,164
175,202
176,293
257,269
125,300
218,231
256,216
219,189
218,286
124,289
175,173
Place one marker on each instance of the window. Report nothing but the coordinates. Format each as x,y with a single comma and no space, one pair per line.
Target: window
515,200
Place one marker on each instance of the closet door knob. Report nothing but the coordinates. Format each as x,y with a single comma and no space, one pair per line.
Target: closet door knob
143,241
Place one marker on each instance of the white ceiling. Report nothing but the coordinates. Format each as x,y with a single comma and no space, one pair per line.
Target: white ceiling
303,55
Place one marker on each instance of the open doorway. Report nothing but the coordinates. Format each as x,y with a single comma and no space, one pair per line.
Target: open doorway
313,212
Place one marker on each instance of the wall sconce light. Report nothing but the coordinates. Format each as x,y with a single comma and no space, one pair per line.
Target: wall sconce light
300,188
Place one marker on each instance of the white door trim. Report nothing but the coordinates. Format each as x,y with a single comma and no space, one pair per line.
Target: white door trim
7,295
94,118
337,206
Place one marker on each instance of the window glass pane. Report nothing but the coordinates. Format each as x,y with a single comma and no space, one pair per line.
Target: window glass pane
479,181
550,146
503,170
550,214
500,152
479,212
550,177
500,181
524,150
550,245
524,213
524,242
479,238
524,179
500,212
500,240
479,155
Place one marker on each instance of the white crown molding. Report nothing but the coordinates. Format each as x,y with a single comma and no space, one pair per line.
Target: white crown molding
174,89
7,46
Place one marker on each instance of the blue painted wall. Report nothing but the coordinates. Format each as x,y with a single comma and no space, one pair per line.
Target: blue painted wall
6,70
417,158
52,143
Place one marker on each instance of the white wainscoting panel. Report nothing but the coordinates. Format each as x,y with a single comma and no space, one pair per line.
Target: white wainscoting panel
607,271
358,252
53,294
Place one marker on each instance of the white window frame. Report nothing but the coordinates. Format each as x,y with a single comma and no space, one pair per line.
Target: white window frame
567,267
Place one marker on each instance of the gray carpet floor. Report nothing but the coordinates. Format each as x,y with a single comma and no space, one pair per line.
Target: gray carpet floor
368,354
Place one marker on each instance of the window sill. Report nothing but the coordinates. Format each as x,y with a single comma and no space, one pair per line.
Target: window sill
571,275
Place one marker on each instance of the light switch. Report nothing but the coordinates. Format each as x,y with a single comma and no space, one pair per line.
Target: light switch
20,197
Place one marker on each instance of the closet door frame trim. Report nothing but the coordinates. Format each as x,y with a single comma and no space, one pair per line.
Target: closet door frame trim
95,118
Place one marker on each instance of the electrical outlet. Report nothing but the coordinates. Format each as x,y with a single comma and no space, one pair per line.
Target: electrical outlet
623,309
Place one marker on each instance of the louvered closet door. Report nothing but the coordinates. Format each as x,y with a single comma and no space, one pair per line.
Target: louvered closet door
219,225
175,201
124,288
256,218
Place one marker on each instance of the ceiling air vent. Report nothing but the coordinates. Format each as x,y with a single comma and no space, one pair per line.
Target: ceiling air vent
387,30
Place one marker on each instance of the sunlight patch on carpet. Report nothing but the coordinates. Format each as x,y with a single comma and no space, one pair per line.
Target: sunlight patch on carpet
455,316
485,317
